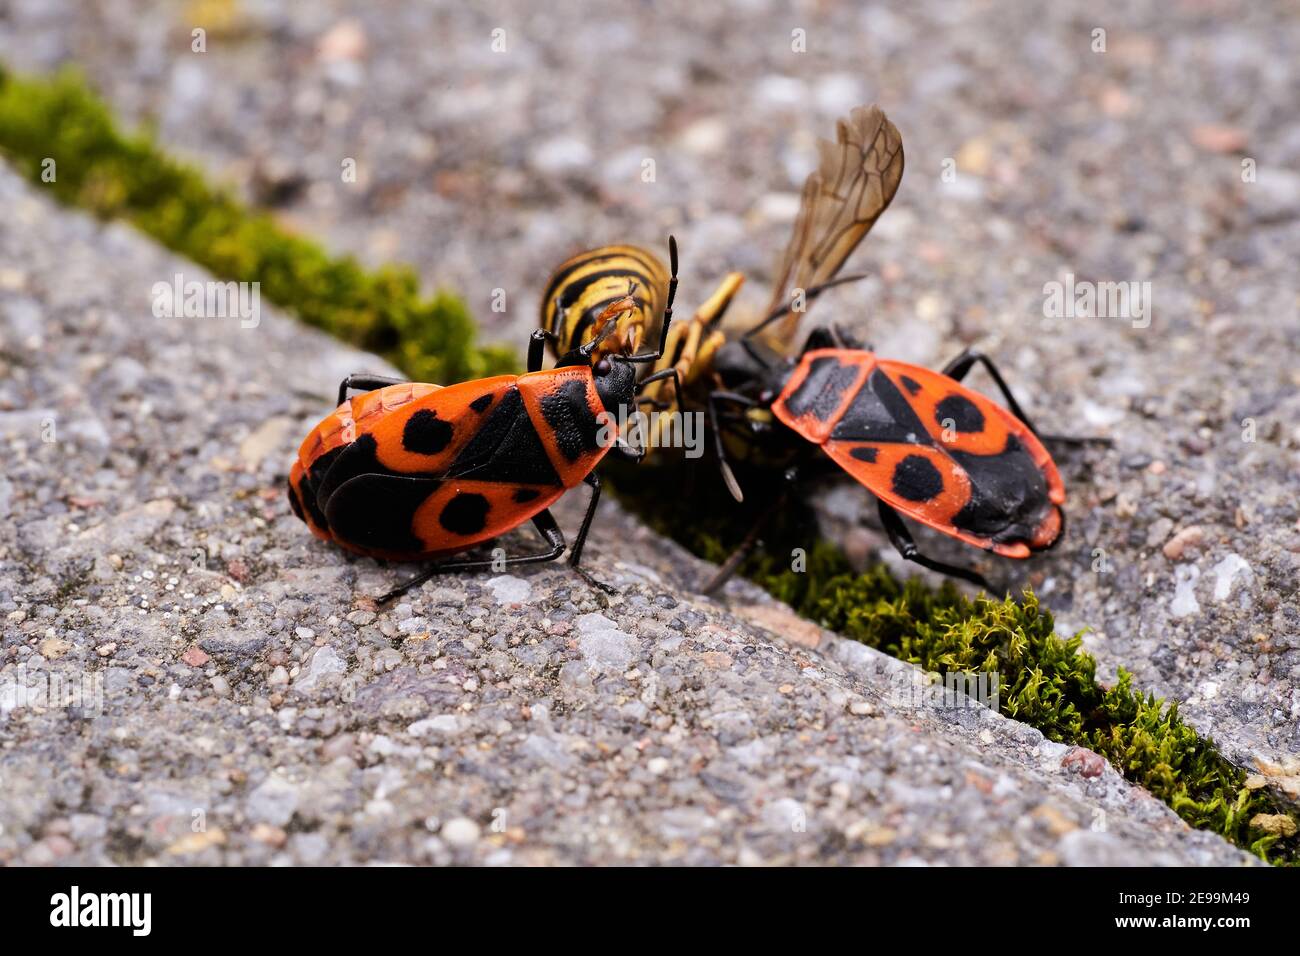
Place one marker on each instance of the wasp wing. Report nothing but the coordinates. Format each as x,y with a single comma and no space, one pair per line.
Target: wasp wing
854,182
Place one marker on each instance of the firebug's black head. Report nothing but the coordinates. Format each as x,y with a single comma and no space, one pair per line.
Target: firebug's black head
615,384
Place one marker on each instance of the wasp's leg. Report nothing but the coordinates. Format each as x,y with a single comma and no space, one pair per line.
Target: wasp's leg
728,476
901,539
543,521
691,346
363,381
729,567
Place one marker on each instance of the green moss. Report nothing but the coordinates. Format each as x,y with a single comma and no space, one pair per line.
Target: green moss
1049,682
1044,680
113,174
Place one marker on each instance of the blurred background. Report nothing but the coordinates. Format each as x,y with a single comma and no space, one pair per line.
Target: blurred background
493,139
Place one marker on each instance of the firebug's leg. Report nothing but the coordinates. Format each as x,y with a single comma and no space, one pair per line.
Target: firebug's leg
580,541
624,450
676,405
902,541
660,376
957,369
537,348
575,555
1077,440
363,381
543,521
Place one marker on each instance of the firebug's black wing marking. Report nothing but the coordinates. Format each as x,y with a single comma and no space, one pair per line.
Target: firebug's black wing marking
931,448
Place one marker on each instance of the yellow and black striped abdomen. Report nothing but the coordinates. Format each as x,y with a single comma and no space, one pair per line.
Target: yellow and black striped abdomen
584,286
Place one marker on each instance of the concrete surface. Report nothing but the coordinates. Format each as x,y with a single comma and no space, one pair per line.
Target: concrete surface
187,676
486,157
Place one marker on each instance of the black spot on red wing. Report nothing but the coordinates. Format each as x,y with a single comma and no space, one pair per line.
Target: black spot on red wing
293,503
571,419
1008,494
864,453
465,514
377,511
879,412
506,447
481,403
916,479
425,433
525,495
911,384
964,414
822,390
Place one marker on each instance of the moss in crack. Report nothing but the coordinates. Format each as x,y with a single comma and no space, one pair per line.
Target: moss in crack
56,127
1044,680
1049,682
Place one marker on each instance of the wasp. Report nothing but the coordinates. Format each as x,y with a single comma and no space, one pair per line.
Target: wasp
854,182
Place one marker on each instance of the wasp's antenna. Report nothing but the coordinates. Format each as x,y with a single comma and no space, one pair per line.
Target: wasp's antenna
809,295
